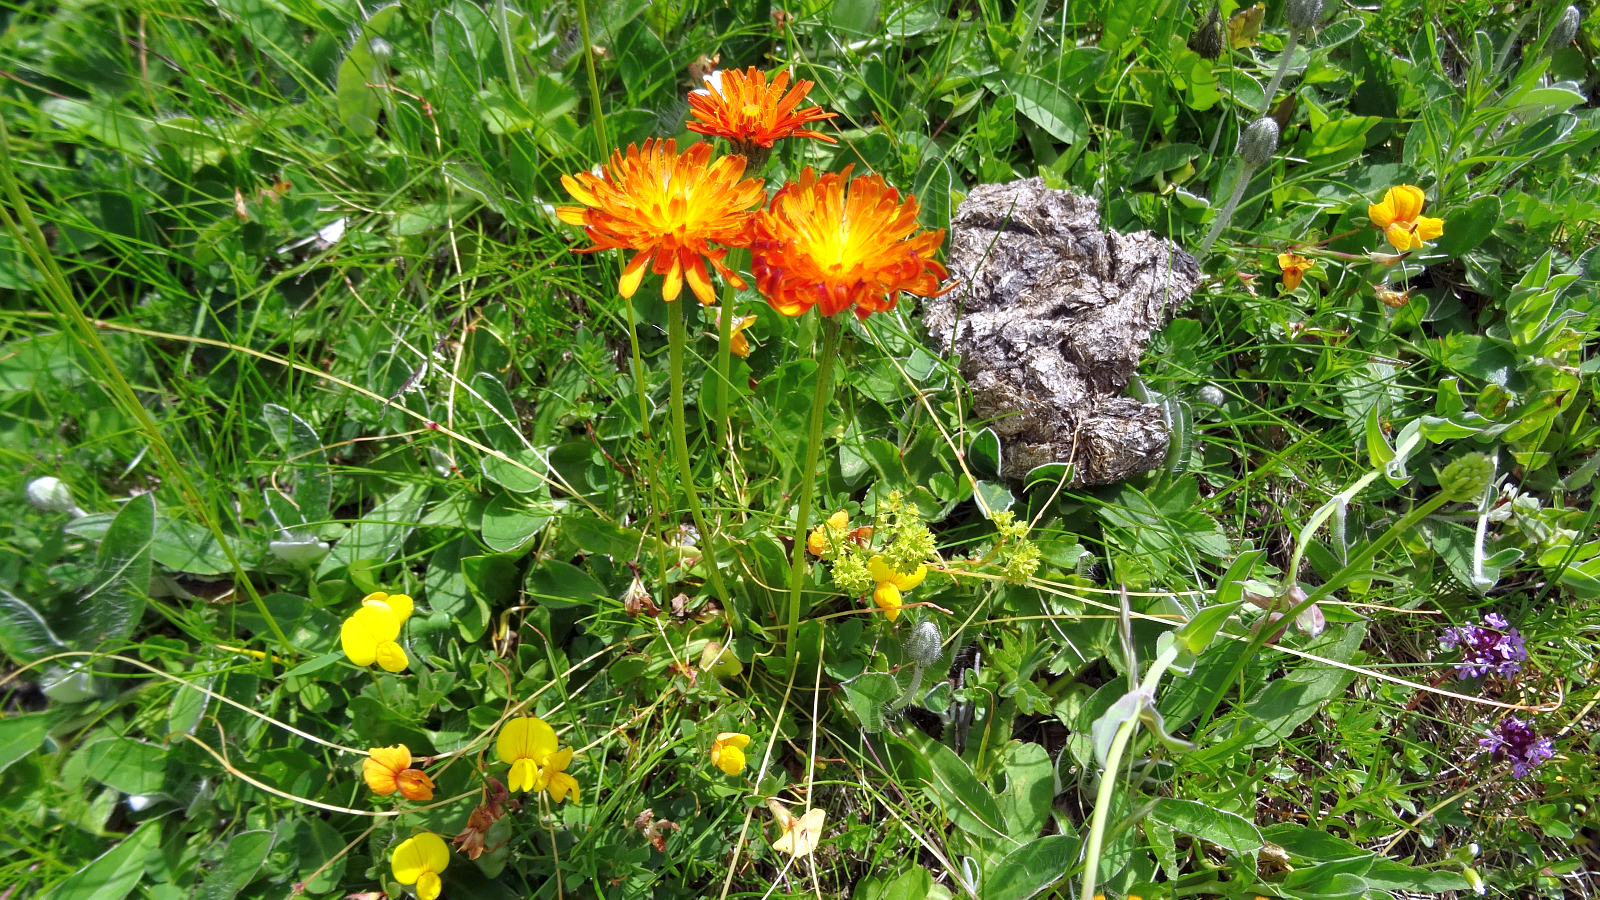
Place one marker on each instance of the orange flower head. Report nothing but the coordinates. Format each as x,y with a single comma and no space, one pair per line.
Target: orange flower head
752,114
1294,268
1400,216
836,244
415,785
383,766
669,208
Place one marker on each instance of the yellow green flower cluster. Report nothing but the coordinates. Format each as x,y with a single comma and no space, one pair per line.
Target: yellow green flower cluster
898,565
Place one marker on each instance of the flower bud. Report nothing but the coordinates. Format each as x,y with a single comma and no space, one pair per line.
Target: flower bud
1565,29
924,646
52,495
1392,298
1207,39
1211,395
1303,14
1259,142
1466,477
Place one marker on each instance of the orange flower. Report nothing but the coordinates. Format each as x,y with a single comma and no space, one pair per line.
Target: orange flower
382,767
668,208
750,113
1400,217
1294,268
415,785
822,244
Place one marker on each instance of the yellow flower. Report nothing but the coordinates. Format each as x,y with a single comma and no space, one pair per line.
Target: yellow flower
418,861
1400,217
891,583
668,208
727,751
383,766
817,541
1294,268
415,785
529,745
835,244
800,833
369,635
738,344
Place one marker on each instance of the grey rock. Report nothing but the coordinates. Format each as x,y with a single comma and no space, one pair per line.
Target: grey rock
1050,317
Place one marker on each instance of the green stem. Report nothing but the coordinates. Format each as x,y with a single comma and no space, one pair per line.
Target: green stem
596,109
725,345
1283,66
676,312
638,369
1360,563
832,331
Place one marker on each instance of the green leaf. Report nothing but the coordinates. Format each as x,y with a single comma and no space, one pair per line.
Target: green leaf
112,608
107,124
1227,830
1031,869
358,104
306,458
380,532
130,766
1049,107
116,872
559,585
20,735
964,800
509,522
24,633
1030,786
240,862
1338,135
178,545
319,843
1467,227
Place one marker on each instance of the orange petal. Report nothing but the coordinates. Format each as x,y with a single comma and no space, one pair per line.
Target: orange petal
700,282
673,285
633,273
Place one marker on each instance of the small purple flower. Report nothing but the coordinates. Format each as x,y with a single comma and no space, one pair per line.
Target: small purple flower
1516,740
1493,646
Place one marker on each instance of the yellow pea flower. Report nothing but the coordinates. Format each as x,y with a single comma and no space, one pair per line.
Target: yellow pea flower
382,767
1294,268
800,833
727,751
415,785
529,745
738,344
891,583
817,540
369,635
418,861
1400,217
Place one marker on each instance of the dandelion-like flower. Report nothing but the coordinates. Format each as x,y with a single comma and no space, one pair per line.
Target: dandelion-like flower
669,208
370,635
1516,740
529,745
753,114
1400,216
833,243
1493,646
891,584
727,751
388,769
1294,268
418,861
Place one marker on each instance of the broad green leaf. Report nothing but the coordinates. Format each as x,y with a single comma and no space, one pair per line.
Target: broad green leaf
1467,227
358,104
1278,709
510,522
1227,830
130,766
964,800
1030,786
112,607
24,633
116,872
240,862
20,735
869,695
380,532
178,545
319,843
1339,135
306,458
1049,107
559,584
1031,869
106,123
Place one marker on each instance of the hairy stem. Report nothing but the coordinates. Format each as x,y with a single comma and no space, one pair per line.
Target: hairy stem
677,311
832,330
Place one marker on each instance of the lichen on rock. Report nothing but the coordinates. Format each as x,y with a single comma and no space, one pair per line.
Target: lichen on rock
1050,316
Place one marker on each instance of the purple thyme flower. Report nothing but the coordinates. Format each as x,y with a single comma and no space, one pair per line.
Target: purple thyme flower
1516,740
1493,646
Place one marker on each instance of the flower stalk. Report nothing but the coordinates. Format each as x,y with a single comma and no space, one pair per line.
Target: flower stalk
676,312
832,332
